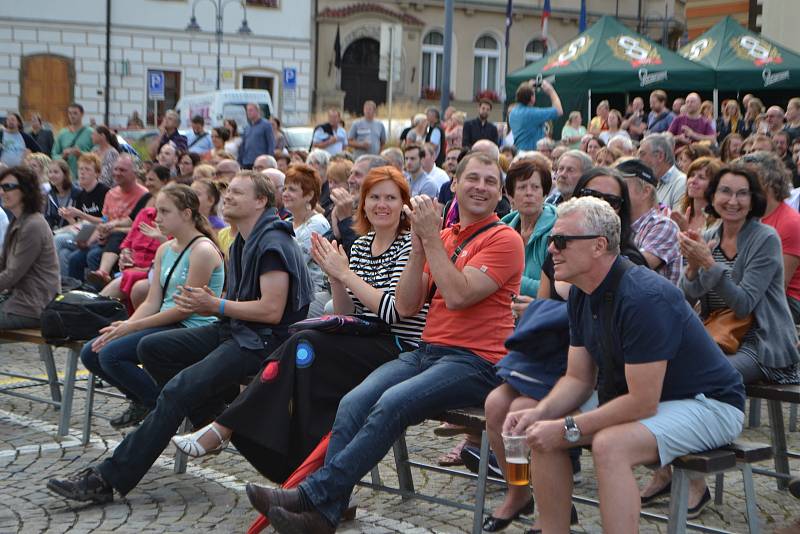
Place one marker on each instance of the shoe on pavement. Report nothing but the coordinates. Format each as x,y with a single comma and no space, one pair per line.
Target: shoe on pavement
472,459
85,485
132,416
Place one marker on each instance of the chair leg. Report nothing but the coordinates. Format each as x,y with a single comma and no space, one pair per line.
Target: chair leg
69,392
87,410
778,441
375,475
480,490
679,502
750,498
404,478
46,354
181,458
754,420
793,418
719,486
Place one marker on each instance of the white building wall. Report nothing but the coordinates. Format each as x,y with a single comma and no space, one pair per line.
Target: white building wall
779,22
150,34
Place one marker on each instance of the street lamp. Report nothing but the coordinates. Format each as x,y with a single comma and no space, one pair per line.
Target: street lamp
219,8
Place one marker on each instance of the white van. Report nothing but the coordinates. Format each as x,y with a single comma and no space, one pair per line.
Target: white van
220,105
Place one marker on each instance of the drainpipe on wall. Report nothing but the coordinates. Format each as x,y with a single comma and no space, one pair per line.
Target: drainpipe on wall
108,64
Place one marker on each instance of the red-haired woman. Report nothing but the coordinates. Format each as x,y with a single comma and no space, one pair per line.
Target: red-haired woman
291,405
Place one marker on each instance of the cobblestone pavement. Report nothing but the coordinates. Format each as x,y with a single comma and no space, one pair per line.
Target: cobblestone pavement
210,496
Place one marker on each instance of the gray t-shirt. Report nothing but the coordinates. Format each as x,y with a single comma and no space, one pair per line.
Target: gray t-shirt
372,131
13,149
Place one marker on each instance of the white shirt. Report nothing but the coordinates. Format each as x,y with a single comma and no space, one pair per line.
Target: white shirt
438,176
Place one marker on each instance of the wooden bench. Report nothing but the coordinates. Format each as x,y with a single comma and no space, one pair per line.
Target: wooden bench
738,455
62,402
774,395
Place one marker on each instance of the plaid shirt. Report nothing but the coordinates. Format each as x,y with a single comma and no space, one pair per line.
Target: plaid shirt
658,235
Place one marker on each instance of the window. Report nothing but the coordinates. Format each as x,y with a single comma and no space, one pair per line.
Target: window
535,50
432,61
172,93
486,75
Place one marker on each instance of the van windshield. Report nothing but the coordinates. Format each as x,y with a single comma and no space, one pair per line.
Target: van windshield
238,112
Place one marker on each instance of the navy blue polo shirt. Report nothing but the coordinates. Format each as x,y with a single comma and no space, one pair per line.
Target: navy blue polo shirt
652,322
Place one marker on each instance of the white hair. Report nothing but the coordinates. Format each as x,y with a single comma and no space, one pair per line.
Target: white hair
598,219
626,145
275,175
271,162
320,157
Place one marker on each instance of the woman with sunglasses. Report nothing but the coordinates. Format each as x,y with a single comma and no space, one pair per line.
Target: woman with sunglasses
29,274
737,265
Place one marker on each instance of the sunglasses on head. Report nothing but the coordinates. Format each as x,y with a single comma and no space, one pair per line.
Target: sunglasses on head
9,186
613,200
560,241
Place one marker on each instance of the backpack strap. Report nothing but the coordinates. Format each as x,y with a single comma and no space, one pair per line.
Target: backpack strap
611,383
460,248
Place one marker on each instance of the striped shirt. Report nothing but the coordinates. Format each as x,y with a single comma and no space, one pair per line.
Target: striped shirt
383,272
658,235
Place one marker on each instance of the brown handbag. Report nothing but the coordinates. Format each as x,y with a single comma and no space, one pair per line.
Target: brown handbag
727,329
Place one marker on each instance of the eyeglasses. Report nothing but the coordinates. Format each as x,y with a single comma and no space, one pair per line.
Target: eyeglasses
560,241
9,186
613,200
727,192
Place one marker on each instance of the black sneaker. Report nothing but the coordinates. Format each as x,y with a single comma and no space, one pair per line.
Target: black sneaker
85,485
472,459
132,416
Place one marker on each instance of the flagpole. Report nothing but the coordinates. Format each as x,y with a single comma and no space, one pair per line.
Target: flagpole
509,8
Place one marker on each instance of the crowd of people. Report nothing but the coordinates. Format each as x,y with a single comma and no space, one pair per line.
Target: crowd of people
479,266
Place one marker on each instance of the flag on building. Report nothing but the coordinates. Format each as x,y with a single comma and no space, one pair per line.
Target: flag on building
582,19
337,50
545,18
509,20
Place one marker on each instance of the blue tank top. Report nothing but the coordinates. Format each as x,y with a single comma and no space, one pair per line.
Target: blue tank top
179,276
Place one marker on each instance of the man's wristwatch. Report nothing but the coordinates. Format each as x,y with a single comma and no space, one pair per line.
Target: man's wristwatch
571,431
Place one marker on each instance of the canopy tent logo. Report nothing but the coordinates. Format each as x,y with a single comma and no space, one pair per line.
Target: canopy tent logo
758,51
699,49
634,51
648,78
771,78
570,52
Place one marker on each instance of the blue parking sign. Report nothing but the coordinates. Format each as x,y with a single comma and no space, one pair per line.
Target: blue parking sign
290,78
155,84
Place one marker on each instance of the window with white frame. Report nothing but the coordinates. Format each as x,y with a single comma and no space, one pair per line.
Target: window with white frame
486,74
432,61
536,50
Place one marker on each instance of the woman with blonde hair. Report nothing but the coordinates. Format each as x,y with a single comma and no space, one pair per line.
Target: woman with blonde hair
416,134
730,121
203,171
614,123
755,108
573,131
454,134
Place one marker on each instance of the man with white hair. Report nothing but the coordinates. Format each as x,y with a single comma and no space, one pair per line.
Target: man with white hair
656,152
319,159
545,146
394,157
264,162
567,171
623,144
277,178
169,133
665,390
168,157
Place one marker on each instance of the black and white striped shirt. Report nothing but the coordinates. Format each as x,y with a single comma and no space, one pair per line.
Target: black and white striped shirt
383,272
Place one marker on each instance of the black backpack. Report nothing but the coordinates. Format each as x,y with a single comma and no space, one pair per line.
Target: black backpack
79,316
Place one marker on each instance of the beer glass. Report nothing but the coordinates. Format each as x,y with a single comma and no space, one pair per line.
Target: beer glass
517,462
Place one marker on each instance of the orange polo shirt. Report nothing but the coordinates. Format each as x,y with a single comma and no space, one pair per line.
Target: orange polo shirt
483,327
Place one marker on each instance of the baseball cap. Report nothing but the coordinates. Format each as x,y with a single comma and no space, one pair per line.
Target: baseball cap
635,167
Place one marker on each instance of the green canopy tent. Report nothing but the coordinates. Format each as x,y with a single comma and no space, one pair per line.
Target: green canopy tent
743,60
611,58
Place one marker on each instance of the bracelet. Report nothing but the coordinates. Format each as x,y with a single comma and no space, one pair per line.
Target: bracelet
221,307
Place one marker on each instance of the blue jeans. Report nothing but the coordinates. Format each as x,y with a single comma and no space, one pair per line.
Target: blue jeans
199,369
65,246
400,393
118,364
82,258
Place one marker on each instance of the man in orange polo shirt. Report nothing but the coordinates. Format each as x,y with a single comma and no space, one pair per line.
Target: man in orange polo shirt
471,270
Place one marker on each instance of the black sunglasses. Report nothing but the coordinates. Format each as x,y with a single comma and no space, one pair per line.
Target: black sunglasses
613,200
560,241
9,186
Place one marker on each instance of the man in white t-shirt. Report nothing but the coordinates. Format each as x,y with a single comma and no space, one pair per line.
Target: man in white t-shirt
437,175
367,135
330,137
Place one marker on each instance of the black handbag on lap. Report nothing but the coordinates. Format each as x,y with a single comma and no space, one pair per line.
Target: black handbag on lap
79,316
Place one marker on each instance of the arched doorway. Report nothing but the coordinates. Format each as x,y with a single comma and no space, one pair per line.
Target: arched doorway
360,75
47,83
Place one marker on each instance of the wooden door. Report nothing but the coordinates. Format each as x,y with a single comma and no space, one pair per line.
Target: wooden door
47,87
360,82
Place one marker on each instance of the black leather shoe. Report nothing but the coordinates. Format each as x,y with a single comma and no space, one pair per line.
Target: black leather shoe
496,524
85,485
286,522
573,520
263,498
794,487
663,492
694,512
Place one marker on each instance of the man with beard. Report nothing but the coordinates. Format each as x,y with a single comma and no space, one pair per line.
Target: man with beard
480,127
